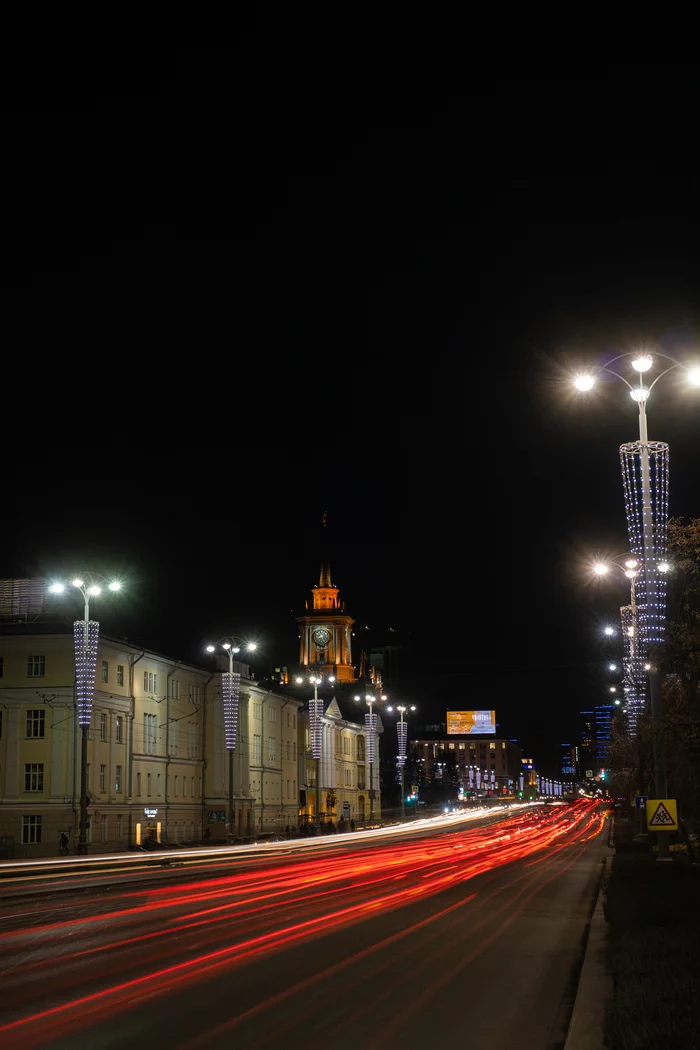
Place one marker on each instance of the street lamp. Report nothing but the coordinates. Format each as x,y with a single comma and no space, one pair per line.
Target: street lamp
402,736
371,727
644,462
86,633
316,732
230,694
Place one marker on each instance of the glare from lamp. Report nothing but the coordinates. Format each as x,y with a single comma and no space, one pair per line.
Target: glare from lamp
77,582
299,680
94,589
647,667
642,363
612,667
664,566
57,588
584,382
601,569
252,645
226,645
639,393
331,679
115,585
631,563
694,375
609,631
211,648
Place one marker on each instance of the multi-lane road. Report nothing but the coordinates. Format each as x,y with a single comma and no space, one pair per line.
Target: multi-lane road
459,933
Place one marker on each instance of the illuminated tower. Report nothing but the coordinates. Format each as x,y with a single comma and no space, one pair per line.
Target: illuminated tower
633,679
325,632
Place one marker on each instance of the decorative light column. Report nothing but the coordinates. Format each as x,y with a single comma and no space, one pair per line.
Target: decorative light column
316,733
86,634
230,695
402,738
632,658
371,728
645,480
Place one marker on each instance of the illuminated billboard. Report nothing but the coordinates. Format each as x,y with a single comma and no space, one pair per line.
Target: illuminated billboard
465,722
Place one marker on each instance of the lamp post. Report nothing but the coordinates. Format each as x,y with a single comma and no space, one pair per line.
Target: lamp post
316,733
85,636
230,695
647,515
371,727
402,735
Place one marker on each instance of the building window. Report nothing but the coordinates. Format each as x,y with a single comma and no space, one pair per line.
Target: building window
294,750
289,750
120,828
184,787
289,714
104,828
31,830
138,784
257,711
120,674
192,742
103,726
294,788
150,682
272,714
177,784
272,749
148,783
36,724
35,666
158,782
346,746
105,671
257,749
492,746
192,787
195,695
360,749
118,779
149,734
174,688
118,723
174,736
34,776
103,779
289,789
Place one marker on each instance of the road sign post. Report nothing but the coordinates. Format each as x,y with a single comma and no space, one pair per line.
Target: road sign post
662,815
640,801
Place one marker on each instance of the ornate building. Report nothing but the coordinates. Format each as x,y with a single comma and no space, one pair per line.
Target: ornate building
325,632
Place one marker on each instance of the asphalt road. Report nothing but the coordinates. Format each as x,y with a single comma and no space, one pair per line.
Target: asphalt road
469,935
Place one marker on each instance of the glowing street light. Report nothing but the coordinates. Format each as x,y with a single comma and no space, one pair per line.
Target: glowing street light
609,631
647,517
402,737
316,732
86,634
371,727
230,696
612,667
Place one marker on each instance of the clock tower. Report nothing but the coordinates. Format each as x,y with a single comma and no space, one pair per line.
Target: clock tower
325,632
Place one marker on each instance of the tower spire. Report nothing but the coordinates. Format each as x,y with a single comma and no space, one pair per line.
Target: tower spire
325,577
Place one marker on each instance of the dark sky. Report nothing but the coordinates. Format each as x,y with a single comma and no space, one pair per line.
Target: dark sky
241,291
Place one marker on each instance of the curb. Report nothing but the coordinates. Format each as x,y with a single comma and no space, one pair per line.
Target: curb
595,986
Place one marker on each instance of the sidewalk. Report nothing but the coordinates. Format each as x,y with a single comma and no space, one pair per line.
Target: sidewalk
653,913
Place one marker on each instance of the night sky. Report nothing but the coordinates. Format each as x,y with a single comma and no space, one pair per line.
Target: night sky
240,294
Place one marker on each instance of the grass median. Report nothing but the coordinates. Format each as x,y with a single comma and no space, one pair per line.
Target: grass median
653,911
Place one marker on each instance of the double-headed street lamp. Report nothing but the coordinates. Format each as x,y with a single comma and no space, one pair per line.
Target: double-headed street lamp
402,737
645,479
85,637
316,732
371,727
230,693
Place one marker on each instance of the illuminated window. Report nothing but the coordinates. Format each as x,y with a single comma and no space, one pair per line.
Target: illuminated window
120,674
492,746
118,724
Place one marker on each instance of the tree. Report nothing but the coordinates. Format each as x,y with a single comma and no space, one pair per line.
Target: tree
681,655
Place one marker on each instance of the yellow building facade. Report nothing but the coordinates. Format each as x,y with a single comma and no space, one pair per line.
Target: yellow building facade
157,765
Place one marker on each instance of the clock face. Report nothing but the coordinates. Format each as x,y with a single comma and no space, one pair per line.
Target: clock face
321,636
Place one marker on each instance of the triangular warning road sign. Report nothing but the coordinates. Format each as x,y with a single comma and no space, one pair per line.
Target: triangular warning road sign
661,818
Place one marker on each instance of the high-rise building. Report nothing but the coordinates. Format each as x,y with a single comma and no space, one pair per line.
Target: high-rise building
603,735
587,741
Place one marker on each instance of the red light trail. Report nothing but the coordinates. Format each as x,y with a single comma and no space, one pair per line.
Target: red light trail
62,976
